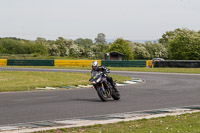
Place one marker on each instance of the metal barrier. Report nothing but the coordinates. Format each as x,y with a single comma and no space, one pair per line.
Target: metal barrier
124,63
76,63
14,62
178,64
3,62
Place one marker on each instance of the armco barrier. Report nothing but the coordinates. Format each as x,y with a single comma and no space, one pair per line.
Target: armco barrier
124,63
178,64
76,63
3,62
13,62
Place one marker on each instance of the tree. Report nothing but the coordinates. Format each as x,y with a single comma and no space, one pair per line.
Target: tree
101,38
123,47
53,50
86,43
184,44
41,40
99,47
84,46
99,50
139,51
156,50
63,46
2,49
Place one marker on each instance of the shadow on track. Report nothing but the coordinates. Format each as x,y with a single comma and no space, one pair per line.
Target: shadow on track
92,100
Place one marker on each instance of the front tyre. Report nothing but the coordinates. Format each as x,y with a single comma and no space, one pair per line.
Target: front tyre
102,94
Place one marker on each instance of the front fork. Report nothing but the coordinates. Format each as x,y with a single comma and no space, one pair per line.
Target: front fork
107,92
102,86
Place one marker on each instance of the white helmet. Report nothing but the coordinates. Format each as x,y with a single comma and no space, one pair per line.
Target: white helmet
94,65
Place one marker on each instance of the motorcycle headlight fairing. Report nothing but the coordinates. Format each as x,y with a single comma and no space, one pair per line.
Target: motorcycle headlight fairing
99,79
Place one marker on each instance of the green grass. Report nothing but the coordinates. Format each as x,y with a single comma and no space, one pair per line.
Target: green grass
23,81
164,70
136,69
187,123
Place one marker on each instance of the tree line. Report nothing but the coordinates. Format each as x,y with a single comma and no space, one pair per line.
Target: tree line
180,44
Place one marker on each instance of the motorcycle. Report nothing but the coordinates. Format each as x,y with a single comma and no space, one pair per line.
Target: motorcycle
103,86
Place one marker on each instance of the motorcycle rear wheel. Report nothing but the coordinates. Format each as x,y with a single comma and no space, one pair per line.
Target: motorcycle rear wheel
116,95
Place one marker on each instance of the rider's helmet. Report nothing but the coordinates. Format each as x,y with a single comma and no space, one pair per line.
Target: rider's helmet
94,65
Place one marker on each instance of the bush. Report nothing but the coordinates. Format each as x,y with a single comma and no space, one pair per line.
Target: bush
11,46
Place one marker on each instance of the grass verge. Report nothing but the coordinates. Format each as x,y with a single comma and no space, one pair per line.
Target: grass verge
23,81
187,123
136,69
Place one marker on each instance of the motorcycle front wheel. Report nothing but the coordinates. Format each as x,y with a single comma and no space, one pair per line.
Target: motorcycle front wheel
102,94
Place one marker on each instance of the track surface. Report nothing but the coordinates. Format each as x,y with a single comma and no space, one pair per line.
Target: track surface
161,90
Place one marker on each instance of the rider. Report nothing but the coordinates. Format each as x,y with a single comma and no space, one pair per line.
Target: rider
96,67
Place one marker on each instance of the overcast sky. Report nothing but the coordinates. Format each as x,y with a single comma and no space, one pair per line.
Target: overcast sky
71,19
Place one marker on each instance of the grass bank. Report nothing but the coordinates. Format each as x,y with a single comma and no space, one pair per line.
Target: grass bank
164,70
187,123
23,81
136,69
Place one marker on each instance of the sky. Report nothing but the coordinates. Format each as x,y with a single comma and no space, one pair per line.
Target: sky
72,19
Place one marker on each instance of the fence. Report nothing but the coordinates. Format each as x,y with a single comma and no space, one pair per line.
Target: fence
12,62
3,62
178,64
124,63
70,63
76,63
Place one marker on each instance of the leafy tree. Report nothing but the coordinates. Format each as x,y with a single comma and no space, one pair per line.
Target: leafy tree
156,50
2,49
123,47
99,50
184,44
19,46
100,47
86,43
53,50
41,40
101,38
63,46
139,51
84,46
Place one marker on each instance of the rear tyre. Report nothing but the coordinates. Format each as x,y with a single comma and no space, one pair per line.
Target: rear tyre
102,94
115,95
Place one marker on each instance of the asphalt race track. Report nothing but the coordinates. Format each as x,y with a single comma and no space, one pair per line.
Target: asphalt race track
160,90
